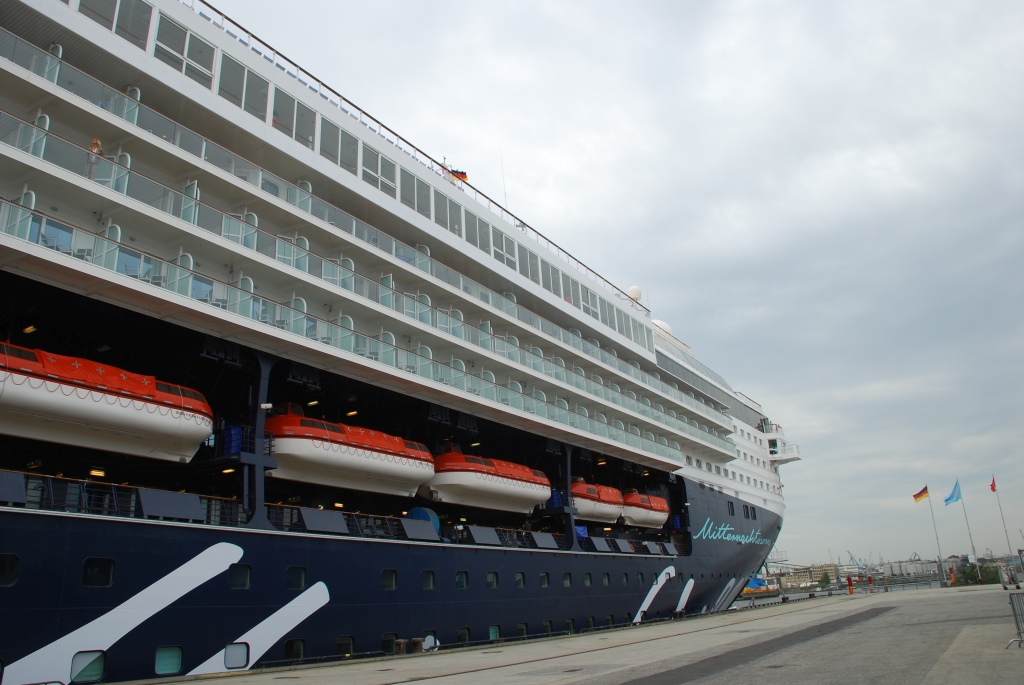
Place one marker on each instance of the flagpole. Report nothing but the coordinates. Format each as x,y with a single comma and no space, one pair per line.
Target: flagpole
974,552
942,569
1005,532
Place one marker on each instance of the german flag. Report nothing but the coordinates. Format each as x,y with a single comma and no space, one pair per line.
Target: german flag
461,175
921,495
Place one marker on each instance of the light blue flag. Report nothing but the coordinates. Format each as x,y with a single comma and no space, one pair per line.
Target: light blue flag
955,495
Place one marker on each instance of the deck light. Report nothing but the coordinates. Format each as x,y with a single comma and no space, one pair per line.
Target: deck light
463,520
228,471
475,444
99,473
607,529
404,513
339,505
351,413
601,462
266,406
28,329
313,403
33,464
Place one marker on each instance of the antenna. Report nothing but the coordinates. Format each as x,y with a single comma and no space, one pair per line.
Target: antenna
503,188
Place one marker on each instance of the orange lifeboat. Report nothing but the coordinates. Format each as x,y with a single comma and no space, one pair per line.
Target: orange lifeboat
487,483
596,502
646,511
315,451
74,401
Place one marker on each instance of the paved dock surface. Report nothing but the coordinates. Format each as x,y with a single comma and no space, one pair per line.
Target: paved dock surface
932,636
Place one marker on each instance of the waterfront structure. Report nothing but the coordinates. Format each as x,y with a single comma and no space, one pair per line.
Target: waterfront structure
389,396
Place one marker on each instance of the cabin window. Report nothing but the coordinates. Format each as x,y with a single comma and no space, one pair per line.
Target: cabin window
295,577
387,642
239,576
461,580
464,635
570,626
731,507
295,649
494,632
346,645
98,572
379,171
520,579
88,667
492,580
547,627
625,579
522,629
544,580
478,232
8,569
566,579
389,579
629,617
168,660
746,511
586,580
753,513
170,48
689,460
427,580
330,140
606,579
639,578
609,620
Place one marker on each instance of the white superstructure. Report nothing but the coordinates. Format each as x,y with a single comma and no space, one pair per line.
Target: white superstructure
307,228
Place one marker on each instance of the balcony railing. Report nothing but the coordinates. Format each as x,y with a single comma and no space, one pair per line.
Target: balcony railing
82,85
76,243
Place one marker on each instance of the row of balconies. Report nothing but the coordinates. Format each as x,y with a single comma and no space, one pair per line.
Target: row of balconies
107,252
299,197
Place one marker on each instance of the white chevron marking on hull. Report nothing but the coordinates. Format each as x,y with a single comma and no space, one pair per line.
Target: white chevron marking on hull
663,578
271,629
685,597
52,663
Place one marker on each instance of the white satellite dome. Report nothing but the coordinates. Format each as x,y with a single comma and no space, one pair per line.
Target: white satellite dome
663,326
634,293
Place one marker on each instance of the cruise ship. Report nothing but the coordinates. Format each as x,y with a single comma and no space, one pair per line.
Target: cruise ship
278,387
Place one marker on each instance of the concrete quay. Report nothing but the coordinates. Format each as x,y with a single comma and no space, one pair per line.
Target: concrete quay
932,636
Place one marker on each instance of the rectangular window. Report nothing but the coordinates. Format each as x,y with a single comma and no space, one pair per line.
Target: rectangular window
388,579
232,80
464,635
566,288
447,213
746,511
753,514
305,125
284,112
427,580
346,645
462,580
8,569
407,189
494,632
88,667
196,60
524,261
133,18
586,580
294,649
520,579
98,572
607,313
576,299
544,580
478,232
589,301
731,508
100,11
504,248
522,629
349,152
330,140
379,171
168,660
295,577
257,91
239,576
492,580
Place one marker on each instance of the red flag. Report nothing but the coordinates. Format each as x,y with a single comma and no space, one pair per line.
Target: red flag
993,486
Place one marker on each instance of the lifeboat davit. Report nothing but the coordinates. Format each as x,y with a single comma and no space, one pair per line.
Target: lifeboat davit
314,451
596,502
645,511
73,401
487,483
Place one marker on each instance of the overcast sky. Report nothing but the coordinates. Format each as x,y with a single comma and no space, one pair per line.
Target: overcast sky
824,201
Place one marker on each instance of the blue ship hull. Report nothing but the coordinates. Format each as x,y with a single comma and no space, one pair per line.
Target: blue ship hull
342,595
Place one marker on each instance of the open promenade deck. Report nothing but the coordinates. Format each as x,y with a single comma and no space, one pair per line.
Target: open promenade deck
931,636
